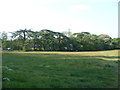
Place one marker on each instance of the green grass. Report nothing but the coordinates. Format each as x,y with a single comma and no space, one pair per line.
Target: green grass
54,70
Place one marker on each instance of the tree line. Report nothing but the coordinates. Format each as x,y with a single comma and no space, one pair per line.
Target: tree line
48,40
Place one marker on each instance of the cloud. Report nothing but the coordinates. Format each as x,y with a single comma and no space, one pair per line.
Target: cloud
79,7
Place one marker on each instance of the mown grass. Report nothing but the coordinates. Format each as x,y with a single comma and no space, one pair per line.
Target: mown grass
61,69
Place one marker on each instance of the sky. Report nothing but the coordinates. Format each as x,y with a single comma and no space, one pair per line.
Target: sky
94,16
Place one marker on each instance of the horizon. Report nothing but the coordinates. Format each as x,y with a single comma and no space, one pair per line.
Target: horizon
94,16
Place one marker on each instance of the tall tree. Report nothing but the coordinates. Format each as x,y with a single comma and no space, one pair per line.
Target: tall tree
4,38
47,37
116,43
50,40
105,41
61,38
21,35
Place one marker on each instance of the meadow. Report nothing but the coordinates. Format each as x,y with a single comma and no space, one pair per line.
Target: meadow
95,69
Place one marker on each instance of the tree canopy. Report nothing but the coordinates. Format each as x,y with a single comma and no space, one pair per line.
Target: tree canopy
48,40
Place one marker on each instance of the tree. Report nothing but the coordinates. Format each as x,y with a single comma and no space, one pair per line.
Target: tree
21,35
116,43
85,41
50,40
33,39
47,38
105,41
60,38
4,38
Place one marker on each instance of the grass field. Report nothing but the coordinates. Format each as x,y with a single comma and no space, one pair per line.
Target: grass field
96,69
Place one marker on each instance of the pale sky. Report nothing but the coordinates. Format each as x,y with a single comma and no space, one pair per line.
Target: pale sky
94,16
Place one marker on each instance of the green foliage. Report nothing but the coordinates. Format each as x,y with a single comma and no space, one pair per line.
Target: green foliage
116,43
48,40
